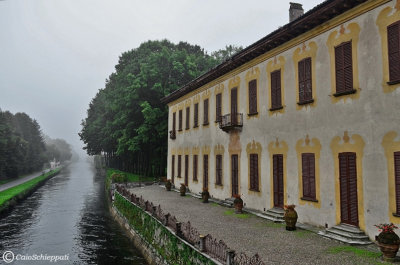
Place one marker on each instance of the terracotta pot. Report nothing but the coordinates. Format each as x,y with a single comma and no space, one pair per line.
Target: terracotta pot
290,218
388,250
205,196
168,185
238,207
182,190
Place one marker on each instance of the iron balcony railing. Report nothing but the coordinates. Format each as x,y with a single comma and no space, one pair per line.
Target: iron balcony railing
172,134
231,121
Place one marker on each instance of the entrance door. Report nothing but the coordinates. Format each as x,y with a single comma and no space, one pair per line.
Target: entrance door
234,106
278,180
235,175
205,172
348,188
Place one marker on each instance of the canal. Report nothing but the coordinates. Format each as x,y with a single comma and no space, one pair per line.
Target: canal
68,216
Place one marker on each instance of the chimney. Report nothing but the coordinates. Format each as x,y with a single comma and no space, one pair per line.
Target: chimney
295,11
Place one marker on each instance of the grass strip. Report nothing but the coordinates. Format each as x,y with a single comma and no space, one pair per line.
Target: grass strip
10,193
357,251
238,215
130,177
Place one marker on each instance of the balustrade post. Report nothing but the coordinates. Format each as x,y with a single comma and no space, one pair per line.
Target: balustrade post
202,243
154,210
230,257
179,229
166,219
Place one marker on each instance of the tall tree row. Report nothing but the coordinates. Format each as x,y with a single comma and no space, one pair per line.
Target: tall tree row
126,120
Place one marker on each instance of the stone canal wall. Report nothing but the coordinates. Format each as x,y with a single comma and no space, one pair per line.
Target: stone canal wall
158,243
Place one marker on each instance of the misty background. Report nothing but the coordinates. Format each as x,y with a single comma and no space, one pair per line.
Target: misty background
55,55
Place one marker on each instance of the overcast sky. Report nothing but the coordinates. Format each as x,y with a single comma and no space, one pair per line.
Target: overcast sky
56,54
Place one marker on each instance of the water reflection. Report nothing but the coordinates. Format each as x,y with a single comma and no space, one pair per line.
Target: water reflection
68,215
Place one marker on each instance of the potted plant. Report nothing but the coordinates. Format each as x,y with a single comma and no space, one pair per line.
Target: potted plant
388,241
238,203
290,217
168,185
205,195
182,189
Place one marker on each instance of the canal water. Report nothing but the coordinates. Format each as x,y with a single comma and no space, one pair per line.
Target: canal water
67,216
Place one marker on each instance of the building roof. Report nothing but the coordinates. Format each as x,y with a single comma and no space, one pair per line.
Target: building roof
311,19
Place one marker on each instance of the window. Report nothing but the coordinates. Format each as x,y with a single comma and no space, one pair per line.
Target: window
173,168
218,107
186,170
205,172
194,167
344,69
205,112
308,176
254,172
218,173
179,165
253,97
187,117
305,81
394,52
180,121
276,97
196,115
173,121
397,180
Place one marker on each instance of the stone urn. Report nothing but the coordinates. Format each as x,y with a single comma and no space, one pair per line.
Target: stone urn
290,217
388,241
238,203
182,189
168,185
205,195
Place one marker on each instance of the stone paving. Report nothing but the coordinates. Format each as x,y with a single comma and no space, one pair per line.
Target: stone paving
251,234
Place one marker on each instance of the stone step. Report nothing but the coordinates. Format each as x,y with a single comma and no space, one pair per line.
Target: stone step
276,210
343,239
347,234
275,215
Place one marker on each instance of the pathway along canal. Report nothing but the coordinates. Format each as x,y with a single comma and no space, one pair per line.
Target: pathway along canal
68,215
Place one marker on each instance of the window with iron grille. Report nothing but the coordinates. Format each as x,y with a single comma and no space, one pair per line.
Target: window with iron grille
308,175
344,69
254,172
218,173
187,117
196,115
253,97
205,121
218,107
195,167
393,32
305,81
179,165
180,121
276,94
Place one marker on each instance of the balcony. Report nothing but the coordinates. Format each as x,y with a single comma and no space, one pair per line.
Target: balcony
172,134
231,122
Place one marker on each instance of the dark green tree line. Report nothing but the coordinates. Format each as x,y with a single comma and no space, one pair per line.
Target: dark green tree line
126,120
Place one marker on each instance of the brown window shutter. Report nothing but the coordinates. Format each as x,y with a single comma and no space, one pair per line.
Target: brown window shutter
186,170
174,121
276,97
301,80
218,179
308,172
205,171
305,80
179,165
196,115
253,96
344,67
218,111
397,180
275,176
353,187
205,111
394,51
187,117
173,168
254,172
180,120
195,167
348,188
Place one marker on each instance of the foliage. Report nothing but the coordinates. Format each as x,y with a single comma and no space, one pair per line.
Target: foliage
22,148
239,215
225,54
126,120
357,251
158,236
387,234
10,193
58,149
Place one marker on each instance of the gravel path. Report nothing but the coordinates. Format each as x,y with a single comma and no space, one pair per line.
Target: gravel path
252,234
